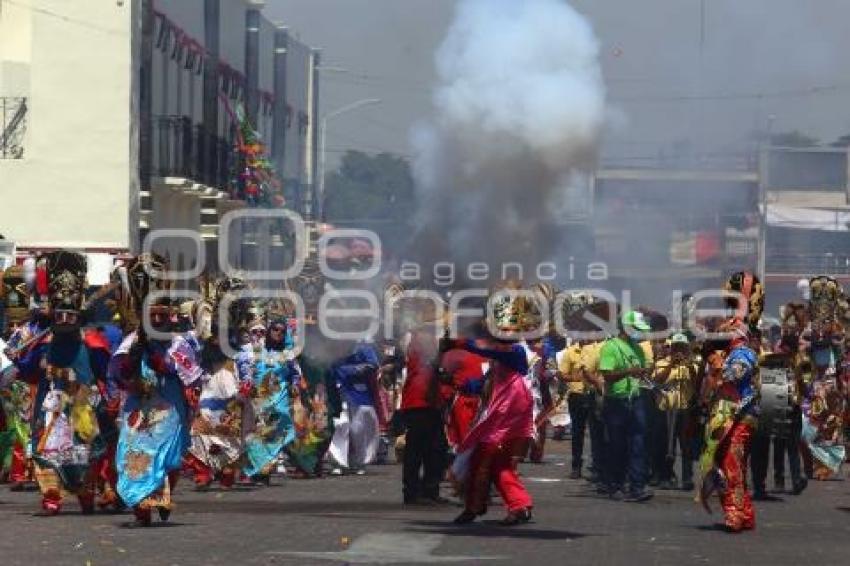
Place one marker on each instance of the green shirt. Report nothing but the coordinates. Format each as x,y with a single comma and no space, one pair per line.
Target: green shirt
616,355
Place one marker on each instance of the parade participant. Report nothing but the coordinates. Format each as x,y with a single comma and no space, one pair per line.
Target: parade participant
495,445
589,367
357,430
794,320
467,379
539,377
266,378
580,402
27,318
313,407
622,363
824,400
66,437
155,416
730,394
217,428
425,449
676,375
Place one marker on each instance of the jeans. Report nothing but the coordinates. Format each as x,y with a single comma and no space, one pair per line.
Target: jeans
583,415
424,454
625,422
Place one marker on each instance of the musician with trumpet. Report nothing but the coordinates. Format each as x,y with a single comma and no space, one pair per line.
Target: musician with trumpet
676,378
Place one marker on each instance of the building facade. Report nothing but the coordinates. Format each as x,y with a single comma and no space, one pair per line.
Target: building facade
131,120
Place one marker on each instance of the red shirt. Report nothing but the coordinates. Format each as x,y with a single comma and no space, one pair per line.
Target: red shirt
420,389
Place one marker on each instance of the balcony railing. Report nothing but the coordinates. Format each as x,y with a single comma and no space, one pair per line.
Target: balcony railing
13,127
808,264
184,149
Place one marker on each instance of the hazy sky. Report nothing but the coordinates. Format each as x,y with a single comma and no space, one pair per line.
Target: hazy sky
759,61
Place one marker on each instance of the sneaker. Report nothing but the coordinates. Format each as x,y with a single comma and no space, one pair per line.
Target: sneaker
360,472
639,496
800,486
465,518
575,474
615,495
164,514
337,472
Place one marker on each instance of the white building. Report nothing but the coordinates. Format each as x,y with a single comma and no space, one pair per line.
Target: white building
119,121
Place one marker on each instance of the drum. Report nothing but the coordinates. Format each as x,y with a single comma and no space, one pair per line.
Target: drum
777,394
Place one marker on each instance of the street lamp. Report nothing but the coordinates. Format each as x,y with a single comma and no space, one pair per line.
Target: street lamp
323,135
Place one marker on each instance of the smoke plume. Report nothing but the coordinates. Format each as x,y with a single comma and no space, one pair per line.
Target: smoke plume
520,104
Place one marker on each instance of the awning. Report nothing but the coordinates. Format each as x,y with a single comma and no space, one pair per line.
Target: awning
783,216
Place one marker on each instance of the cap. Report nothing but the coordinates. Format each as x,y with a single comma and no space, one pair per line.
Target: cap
636,320
679,338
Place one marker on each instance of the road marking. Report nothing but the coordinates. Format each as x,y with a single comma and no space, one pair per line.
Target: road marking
543,480
390,548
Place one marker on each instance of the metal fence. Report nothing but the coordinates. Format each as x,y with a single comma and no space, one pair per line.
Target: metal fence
184,149
13,127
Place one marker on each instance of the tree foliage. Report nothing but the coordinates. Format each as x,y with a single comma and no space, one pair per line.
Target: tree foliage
369,187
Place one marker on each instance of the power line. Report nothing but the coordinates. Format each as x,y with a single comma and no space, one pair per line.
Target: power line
64,18
811,91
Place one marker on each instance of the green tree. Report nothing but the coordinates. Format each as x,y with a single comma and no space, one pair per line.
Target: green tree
369,187
794,138
843,141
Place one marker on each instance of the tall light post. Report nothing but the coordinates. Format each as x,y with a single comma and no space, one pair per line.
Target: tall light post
323,137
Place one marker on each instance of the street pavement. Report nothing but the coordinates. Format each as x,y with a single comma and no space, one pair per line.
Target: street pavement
360,520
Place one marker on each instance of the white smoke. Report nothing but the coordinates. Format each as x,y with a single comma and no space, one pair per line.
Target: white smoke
520,105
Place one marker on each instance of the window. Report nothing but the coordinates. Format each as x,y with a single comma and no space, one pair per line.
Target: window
13,126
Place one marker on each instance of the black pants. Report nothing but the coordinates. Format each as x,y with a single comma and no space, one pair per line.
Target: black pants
583,415
791,447
424,451
760,455
677,423
655,437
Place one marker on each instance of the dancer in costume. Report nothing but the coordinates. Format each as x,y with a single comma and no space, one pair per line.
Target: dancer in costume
357,431
466,371
266,378
492,449
730,394
312,410
541,373
66,436
824,399
154,420
217,428
27,320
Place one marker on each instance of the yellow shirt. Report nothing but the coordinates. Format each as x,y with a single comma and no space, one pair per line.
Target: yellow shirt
681,384
590,358
646,346
569,367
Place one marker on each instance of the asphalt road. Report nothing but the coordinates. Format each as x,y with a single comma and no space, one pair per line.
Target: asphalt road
360,520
